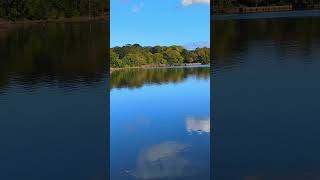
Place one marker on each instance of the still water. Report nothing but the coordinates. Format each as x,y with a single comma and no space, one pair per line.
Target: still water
266,98
53,102
160,124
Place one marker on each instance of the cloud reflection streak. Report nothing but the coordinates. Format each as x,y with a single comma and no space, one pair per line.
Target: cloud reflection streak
198,125
162,161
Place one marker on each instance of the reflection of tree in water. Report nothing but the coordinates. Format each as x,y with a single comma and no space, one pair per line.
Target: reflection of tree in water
57,53
233,37
135,78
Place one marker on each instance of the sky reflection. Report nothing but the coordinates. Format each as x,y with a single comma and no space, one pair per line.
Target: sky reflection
162,160
198,125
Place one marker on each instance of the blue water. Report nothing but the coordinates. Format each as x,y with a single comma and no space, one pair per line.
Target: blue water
161,129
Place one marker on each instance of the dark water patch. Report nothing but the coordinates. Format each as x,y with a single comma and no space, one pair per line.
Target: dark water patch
265,74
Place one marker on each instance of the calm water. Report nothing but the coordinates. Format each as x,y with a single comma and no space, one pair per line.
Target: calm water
160,127
266,98
53,102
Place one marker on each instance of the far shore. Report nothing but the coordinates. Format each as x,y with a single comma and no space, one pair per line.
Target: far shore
157,66
262,9
4,23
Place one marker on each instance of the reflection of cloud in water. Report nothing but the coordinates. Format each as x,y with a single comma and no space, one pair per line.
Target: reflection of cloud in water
198,125
162,161
134,125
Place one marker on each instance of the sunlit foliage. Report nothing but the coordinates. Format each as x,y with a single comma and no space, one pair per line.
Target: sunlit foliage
136,55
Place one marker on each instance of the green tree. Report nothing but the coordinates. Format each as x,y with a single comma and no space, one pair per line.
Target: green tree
188,56
36,9
134,59
157,49
173,57
203,55
114,60
158,59
43,9
136,55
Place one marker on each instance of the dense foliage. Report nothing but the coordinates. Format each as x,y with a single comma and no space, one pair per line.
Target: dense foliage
250,3
44,9
136,55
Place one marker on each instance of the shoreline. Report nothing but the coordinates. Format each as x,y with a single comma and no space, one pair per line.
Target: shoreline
158,66
261,9
4,23
268,15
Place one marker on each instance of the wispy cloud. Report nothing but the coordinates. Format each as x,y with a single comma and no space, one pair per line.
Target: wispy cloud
137,7
191,2
198,44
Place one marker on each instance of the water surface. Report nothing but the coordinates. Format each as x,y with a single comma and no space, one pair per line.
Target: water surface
53,101
160,124
266,90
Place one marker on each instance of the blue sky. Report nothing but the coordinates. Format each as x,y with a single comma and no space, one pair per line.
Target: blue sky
160,22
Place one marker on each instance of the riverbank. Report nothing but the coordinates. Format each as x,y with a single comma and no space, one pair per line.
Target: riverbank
261,9
156,66
4,23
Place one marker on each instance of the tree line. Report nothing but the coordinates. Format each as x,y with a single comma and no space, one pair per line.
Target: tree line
44,9
136,55
251,3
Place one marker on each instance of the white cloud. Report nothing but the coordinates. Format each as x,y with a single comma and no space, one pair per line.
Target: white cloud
137,7
190,2
198,125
